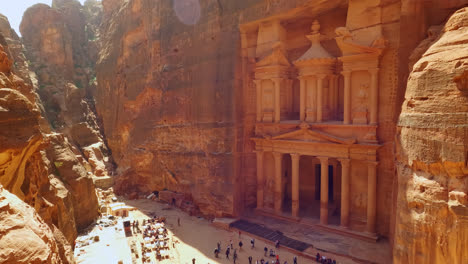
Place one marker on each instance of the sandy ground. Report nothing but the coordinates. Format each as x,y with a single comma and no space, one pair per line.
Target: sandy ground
195,238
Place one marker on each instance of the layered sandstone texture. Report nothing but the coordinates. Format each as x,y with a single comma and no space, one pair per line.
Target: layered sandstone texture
24,236
41,168
432,208
62,46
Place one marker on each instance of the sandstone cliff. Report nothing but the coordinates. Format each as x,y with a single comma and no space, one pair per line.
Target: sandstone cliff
41,168
25,237
62,45
432,208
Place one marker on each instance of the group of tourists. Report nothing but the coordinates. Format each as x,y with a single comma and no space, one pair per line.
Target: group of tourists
231,250
324,260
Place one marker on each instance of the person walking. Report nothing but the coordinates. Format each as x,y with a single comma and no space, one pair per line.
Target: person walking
178,221
219,246
234,257
227,252
193,261
239,234
266,251
240,245
250,260
252,242
295,260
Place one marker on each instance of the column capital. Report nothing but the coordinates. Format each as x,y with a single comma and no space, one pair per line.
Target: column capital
259,152
277,154
374,70
323,159
295,155
346,73
257,82
321,76
344,162
332,76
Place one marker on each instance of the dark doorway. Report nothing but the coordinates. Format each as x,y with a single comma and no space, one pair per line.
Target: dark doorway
318,182
330,183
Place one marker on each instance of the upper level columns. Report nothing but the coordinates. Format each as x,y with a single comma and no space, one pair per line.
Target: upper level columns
320,95
371,195
374,96
258,85
278,182
311,100
277,82
302,99
324,190
260,179
295,184
347,97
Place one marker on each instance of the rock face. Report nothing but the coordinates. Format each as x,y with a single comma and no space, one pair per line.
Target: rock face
432,209
62,43
24,236
43,169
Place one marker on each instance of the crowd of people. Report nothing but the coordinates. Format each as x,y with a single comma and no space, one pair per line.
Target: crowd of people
324,260
268,253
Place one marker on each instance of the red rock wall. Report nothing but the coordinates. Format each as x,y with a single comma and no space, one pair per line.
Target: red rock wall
432,205
41,168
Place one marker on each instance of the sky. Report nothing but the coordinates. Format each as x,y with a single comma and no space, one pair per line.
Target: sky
14,10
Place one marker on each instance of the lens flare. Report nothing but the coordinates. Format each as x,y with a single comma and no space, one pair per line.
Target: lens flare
188,11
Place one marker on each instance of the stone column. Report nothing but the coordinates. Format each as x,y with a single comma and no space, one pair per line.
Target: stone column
311,115
324,190
347,97
260,179
320,96
277,82
278,182
374,96
302,98
336,100
344,192
371,195
258,84
295,184
331,95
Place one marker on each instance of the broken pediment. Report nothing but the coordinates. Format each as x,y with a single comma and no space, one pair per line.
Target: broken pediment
276,58
349,46
307,134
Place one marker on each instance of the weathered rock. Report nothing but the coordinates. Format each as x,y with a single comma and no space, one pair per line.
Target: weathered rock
67,85
24,236
432,208
41,169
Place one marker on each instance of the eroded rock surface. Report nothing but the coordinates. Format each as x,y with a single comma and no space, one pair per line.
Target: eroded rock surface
432,208
24,236
43,169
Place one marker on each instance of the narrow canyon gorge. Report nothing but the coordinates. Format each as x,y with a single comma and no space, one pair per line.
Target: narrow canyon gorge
345,117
